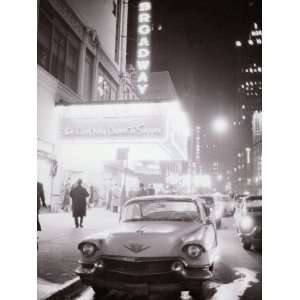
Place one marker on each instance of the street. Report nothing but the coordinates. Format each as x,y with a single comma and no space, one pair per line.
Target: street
237,273
58,240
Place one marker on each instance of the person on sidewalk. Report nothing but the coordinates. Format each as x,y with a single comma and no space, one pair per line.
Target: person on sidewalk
116,199
79,195
151,190
141,192
109,199
40,202
66,200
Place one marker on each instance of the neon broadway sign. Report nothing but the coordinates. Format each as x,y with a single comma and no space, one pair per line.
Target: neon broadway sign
143,45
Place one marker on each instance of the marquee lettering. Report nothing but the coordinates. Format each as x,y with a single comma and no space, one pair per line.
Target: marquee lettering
142,77
142,88
144,29
144,42
143,53
144,18
145,6
143,45
143,65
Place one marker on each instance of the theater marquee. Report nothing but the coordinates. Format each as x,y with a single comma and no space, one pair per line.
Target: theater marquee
151,131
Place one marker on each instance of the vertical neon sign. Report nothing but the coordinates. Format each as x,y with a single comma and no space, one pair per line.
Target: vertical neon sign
143,46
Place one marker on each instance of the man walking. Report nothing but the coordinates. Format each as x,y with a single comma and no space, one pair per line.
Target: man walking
40,201
79,195
142,191
151,190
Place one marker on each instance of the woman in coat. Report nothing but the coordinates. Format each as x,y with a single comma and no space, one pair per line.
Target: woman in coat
79,195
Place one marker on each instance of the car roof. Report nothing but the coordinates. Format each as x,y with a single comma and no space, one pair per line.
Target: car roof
160,197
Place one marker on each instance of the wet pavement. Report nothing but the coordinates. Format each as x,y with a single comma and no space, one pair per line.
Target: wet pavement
237,274
58,241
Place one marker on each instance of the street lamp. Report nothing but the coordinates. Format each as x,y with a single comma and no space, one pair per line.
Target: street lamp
220,125
220,177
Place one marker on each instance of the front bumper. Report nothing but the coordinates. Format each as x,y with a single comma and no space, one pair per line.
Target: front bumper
187,278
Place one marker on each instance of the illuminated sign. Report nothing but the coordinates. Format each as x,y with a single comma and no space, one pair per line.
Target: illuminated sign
256,32
143,45
257,123
113,129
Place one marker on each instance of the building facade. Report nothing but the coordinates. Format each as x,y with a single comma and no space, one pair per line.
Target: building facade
249,95
257,151
78,62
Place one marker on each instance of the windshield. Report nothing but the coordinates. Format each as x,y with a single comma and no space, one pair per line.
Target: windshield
161,210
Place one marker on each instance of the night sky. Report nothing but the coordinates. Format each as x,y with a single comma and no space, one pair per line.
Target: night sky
196,45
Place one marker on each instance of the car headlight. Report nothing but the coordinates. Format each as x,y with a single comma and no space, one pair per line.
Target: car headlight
88,249
246,223
194,251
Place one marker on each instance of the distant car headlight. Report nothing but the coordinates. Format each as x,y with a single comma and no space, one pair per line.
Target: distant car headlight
194,251
88,249
246,224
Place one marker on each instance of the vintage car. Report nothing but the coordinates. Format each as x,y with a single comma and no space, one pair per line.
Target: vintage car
249,222
214,209
163,244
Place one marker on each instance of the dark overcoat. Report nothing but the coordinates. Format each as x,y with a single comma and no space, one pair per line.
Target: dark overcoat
79,195
40,198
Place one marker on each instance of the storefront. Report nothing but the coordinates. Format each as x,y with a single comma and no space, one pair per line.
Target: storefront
46,164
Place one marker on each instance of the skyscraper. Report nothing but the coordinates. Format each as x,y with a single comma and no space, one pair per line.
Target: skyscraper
249,90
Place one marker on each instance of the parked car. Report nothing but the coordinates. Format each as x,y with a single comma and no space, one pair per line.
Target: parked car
163,243
214,210
249,222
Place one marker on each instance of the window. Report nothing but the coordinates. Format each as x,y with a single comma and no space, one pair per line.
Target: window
58,55
44,41
106,86
58,47
73,50
88,75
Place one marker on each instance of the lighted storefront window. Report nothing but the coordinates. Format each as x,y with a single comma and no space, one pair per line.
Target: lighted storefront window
106,87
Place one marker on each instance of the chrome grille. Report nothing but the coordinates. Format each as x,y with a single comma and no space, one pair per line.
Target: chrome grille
138,267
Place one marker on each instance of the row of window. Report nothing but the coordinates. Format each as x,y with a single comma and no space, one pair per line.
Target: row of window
58,50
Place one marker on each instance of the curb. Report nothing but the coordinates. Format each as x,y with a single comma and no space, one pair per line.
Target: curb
68,288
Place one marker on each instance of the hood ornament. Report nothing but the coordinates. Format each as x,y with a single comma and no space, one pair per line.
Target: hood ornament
136,248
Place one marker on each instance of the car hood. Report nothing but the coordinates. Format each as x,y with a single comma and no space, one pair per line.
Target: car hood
145,239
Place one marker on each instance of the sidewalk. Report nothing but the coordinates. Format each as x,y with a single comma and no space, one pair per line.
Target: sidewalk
58,240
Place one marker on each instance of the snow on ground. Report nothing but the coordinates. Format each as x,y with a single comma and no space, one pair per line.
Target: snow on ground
234,290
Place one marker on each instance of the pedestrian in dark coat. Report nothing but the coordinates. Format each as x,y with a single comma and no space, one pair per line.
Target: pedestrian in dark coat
79,195
141,192
151,190
40,202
